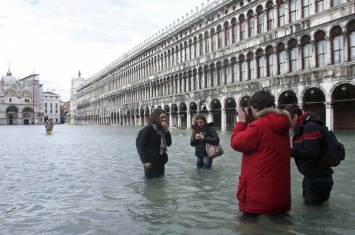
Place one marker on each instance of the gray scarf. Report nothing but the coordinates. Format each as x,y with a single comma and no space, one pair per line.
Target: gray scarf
163,145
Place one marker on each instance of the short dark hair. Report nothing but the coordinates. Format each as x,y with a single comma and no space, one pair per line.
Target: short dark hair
153,117
293,109
262,99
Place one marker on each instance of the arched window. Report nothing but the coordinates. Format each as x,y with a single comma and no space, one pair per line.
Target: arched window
200,44
191,51
307,8
219,37
234,70
213,74
196,83
260,63
195,48
207,45
227,40
351,38
173,57
294,11
251,23
243,68
281,52
251,66
270,16
321,49
320,5
218,74
169,59
226,73
234,31
186,52
165,60
306,52
207,77
213,40
261,17
337,45
243,28
270,56
282,13
293,50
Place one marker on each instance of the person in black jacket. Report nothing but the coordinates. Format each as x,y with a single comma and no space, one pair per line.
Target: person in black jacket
308,150
202,133
153,143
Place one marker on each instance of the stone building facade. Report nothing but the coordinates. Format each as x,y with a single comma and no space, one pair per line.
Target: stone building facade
213,59
51,106
20,100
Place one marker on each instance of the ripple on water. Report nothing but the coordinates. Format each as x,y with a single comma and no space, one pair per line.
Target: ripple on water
89,180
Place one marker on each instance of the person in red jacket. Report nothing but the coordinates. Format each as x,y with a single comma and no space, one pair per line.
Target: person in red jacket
264,182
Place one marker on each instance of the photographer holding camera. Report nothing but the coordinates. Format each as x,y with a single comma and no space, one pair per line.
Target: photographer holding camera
264,182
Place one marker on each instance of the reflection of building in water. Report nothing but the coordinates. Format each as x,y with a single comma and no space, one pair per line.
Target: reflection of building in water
21,100
212,60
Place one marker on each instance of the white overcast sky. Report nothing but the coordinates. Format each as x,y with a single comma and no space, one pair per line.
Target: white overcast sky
57,38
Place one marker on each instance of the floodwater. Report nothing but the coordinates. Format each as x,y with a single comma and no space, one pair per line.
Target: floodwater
89,180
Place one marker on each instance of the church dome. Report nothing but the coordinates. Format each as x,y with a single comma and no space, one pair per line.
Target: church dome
9,79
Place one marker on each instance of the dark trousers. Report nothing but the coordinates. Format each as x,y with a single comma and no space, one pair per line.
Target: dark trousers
317,190
154,171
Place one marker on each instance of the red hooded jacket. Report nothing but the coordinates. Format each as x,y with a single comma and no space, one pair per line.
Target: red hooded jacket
264,183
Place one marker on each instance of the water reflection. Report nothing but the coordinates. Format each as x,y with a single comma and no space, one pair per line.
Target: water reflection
89,180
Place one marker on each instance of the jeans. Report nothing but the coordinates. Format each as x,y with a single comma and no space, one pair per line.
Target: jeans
205,162
154,171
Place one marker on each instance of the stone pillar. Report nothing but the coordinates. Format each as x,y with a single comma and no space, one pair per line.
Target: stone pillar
170,118
223,120
329,113
179,120
210,116
188,119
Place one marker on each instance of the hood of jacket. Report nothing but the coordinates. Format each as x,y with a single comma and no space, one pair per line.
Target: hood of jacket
308,117
278,120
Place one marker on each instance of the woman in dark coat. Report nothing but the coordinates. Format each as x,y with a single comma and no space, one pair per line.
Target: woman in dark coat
202,133
153,143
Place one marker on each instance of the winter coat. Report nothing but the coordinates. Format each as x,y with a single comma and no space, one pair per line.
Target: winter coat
211,137
149,146
264,181
308,147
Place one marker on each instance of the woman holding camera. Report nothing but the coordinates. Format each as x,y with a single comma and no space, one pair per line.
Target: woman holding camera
202,133
264,182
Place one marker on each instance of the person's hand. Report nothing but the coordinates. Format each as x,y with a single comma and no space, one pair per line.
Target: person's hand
147,165
242,116
165,126
199,137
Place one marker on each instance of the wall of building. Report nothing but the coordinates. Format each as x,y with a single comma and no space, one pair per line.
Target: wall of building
215,59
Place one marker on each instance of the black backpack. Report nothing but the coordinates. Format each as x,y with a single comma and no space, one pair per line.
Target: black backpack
335,151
